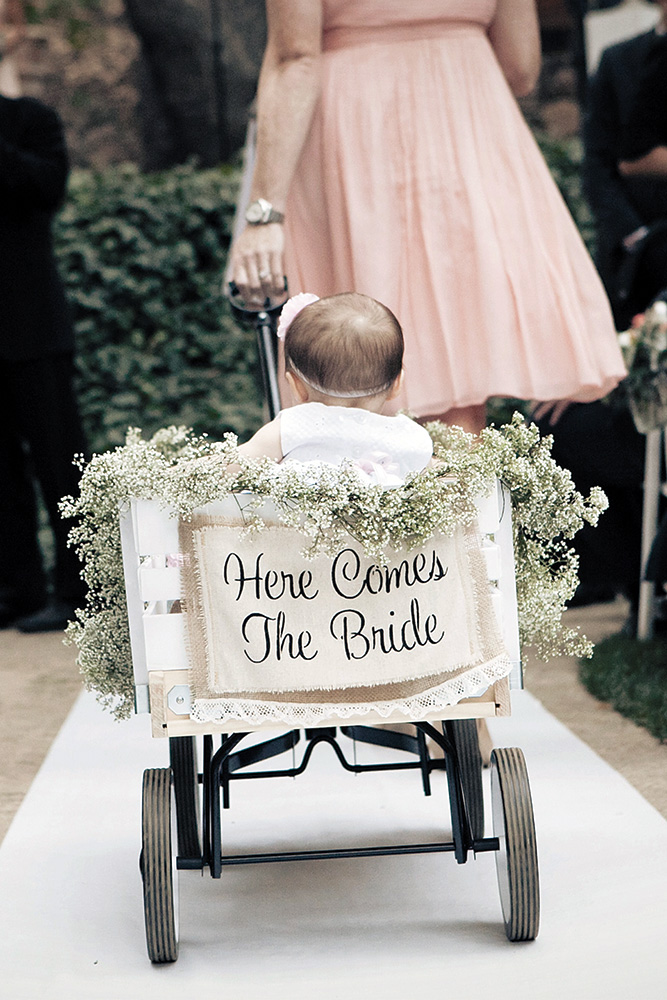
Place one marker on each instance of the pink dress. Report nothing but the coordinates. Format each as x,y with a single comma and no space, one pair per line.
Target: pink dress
421,185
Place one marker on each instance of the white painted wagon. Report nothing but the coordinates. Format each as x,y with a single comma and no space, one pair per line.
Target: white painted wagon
243,650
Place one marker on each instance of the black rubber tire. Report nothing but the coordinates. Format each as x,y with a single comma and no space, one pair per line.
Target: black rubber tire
183,760
516,860
463,733
158,866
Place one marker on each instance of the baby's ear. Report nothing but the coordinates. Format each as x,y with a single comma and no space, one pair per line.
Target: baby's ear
396,387
297,387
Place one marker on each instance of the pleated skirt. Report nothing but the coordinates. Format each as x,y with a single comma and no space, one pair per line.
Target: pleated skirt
421,185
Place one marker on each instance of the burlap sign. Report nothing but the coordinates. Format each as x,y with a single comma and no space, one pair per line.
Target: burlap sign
267,627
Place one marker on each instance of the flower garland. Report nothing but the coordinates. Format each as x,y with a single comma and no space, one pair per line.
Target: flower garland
185,472
644,348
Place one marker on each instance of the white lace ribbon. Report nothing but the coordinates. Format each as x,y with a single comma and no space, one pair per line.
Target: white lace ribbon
471,684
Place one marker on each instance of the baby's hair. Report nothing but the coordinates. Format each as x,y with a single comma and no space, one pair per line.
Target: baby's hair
345,345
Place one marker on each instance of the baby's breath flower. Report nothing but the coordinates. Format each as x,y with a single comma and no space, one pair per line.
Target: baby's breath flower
327,504
644,349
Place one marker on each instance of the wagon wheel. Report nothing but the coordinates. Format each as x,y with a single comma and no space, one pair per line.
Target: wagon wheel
463,733
183,760
158,866
516,859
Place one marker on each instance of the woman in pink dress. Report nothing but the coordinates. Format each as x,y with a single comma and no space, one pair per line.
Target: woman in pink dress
393,160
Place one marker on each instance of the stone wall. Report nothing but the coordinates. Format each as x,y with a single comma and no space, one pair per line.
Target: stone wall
94,87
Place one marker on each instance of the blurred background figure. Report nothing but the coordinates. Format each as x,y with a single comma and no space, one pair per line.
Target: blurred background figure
12,34
599,444
625,173
41,430
625,181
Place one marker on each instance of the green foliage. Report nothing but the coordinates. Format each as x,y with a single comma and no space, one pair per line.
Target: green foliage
632,677
73,15
501,409
142,257
645,354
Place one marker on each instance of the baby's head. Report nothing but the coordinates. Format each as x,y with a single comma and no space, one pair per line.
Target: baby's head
347,347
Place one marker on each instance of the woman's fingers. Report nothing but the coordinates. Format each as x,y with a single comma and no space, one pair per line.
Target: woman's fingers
277,269
258,268
539,410
553,408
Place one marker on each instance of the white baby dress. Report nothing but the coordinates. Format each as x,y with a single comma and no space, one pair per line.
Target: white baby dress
382,449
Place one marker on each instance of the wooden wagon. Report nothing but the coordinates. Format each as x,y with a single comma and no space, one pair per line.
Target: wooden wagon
205,621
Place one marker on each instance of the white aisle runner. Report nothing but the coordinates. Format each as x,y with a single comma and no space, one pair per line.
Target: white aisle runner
71,916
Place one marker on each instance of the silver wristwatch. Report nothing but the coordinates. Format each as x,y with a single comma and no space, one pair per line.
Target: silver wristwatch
261,212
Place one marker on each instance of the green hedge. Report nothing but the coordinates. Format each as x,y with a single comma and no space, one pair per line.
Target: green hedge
142,257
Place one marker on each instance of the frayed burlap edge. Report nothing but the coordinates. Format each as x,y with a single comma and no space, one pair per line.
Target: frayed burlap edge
420,695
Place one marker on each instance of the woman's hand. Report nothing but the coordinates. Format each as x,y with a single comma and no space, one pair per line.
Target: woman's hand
653,164
553,408
635,238
258,269
514,34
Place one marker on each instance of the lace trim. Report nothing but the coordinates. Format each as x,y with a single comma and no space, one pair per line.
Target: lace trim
471,684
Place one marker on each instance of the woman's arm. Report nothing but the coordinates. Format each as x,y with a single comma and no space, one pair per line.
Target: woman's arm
514,34
652,164
288,92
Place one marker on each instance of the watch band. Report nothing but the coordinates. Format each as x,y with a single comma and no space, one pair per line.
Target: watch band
261,212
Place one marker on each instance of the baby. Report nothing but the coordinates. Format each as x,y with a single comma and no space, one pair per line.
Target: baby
343,363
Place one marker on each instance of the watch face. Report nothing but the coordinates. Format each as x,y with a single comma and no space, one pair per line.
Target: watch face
254,212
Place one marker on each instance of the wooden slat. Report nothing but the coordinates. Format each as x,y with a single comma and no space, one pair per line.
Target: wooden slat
133,597
501,694
495,701
156,687
184,726
163,584
488,512
510,614
491,553
155,529
165,642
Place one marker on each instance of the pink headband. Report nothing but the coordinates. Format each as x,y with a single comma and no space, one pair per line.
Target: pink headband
291,310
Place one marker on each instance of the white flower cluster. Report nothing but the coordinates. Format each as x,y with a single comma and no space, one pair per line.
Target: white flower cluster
186,472
644,348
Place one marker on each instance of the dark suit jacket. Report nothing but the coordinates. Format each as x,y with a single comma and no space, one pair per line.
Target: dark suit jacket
34,318
620,205
647,127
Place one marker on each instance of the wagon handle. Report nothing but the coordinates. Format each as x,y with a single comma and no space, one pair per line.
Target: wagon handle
265,320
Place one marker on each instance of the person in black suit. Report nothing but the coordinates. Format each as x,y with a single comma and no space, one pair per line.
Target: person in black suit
597,441
627,198
599,444
41,430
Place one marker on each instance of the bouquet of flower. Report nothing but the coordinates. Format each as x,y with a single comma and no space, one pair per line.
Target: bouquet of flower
644,348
